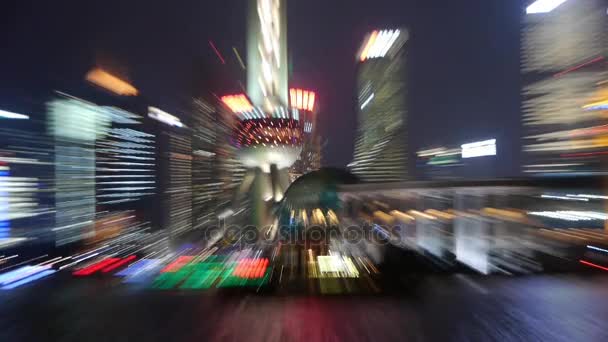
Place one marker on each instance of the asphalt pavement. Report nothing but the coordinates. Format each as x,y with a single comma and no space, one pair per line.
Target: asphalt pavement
450,307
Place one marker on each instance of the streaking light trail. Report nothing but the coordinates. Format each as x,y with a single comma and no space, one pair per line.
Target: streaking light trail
118,264
366,102
86,271
597,249
543,6
9,115
593,265
238,57
164,117
219,55
110,82
28,279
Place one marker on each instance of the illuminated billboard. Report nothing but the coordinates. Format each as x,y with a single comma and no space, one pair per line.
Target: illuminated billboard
479,149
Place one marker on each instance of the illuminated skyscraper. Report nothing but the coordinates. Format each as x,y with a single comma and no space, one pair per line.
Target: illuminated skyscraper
125,175
26,172
381,146
216,171
268,135
175,171
75,125
565,93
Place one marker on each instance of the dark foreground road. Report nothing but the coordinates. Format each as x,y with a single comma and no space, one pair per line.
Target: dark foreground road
441,308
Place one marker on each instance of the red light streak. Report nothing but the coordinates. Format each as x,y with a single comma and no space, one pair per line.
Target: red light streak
95,267
118,264
597,59
219,55
177,264
593,265
251,268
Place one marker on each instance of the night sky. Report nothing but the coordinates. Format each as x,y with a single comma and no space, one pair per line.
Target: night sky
463,59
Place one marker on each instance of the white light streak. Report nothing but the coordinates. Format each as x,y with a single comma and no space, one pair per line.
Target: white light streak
597,249
566,198
9,115
543,6
571,215
588,196
366,102
164,117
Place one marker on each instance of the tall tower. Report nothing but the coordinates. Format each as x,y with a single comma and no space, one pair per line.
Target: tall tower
381,147
267,53
268,135
564,61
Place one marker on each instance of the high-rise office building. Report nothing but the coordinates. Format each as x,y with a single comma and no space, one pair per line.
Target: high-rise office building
565,92
174,150
26,179
381,142
125,174
216,170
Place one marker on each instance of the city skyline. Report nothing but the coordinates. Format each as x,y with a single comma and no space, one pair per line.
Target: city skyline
285,170
172,56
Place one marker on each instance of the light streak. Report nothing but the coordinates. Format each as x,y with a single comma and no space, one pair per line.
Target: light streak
9,115
119,264
543,6
21,273
28,279
593,265
238,57
597,249
110,82
95,267
597,59
565,198
161,116
177,264
366,102
219,55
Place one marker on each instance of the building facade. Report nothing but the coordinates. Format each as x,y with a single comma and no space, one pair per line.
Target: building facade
565,87
381,142
216,170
